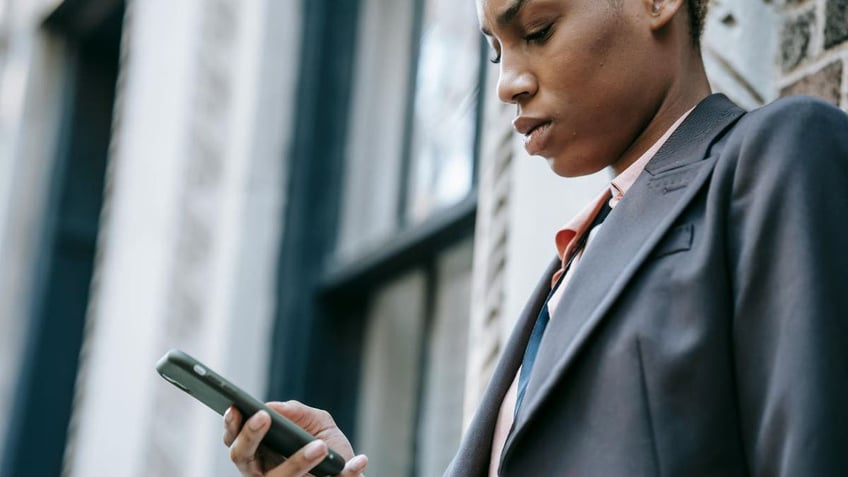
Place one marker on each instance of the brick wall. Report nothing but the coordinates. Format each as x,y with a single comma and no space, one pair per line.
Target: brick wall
814,49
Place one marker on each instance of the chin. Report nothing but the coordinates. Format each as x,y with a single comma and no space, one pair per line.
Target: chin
571,166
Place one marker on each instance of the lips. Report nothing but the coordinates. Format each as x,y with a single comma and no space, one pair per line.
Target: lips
535,131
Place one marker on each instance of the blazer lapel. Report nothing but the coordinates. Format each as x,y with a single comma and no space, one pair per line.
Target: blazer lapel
630,232
475,451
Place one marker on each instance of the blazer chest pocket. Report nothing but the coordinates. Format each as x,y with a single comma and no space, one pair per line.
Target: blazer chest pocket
677,239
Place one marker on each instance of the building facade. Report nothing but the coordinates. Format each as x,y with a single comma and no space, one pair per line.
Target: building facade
323,200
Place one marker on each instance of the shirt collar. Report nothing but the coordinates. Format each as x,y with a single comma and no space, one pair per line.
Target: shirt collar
622,182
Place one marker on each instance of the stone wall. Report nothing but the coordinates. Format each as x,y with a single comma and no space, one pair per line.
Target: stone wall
814,49
759,50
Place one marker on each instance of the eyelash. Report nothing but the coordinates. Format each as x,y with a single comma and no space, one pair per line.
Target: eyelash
538,36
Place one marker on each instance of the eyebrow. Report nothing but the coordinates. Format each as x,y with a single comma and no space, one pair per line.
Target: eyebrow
508,15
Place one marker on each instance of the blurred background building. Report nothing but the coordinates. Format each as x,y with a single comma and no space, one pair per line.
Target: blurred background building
322,199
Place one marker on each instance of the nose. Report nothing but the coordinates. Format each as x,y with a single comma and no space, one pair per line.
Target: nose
515,81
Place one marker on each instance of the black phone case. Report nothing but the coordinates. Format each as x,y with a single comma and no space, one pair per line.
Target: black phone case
208,387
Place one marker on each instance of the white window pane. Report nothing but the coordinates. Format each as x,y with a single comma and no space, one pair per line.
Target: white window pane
444,120
442,401
390,376
376,133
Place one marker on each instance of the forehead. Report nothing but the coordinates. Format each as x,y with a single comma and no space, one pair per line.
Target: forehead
489,12
497,13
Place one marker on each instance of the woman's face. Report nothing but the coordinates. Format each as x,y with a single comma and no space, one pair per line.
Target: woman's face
583,73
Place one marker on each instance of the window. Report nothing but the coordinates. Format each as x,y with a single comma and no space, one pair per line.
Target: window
446,97
412,141
407,224
410,401
375,261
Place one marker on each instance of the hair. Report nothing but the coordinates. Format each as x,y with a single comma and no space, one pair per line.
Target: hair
697,17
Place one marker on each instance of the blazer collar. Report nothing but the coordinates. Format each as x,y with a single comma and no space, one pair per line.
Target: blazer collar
670,181
474,454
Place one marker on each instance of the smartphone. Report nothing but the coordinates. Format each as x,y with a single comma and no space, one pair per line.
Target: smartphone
208,387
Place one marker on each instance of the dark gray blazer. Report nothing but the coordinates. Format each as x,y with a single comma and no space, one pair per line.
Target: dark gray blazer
705,332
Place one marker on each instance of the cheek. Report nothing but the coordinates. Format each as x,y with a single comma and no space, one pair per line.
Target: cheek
586,62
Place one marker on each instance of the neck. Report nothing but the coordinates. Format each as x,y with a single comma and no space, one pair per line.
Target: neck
688,88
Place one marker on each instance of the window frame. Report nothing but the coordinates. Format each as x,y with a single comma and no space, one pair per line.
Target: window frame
322,307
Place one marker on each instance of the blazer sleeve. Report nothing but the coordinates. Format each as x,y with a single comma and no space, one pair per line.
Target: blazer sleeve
788,265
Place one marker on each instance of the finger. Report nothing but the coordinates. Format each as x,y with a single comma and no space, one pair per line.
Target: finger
232,425
312,419
244,447
355,467
294,410
317,422
304,459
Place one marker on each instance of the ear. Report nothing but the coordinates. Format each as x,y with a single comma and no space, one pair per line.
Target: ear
661,12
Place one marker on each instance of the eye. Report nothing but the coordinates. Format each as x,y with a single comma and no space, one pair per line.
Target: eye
540,35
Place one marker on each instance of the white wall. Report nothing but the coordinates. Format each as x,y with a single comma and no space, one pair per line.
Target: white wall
740,47
252,228
135,242
189,240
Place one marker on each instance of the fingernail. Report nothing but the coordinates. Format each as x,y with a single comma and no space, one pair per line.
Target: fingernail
257,421
314,450
358,463
228,416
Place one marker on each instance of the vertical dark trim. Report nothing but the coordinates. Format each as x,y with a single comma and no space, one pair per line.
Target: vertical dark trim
335,365
409,118
316,168
44,393
12,456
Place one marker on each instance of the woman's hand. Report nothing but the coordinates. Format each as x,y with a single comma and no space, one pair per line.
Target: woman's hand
254,460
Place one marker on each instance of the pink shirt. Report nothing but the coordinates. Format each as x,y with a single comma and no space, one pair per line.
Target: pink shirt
566,240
